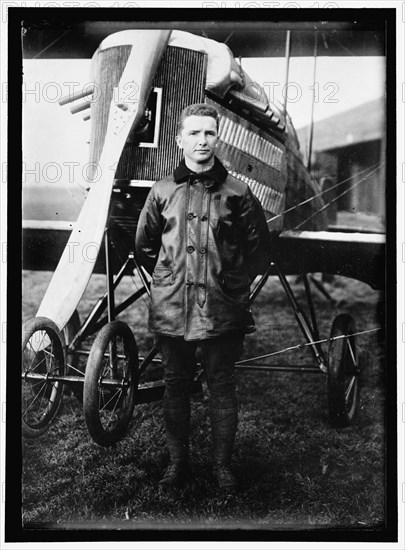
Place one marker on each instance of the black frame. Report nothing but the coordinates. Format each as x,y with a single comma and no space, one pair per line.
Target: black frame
13,530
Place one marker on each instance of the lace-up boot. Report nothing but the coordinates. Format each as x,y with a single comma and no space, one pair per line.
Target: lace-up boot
175,475
223,424
176,422
224,477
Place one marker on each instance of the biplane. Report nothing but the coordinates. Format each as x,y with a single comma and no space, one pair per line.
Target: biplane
143,78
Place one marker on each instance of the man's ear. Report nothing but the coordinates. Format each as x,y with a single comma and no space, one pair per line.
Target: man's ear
178,141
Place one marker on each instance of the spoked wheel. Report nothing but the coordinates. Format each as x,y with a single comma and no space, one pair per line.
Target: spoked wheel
43,359
343,373
110,383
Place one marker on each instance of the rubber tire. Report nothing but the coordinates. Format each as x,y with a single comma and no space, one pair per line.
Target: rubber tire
72,360
342,411
32,428
96,366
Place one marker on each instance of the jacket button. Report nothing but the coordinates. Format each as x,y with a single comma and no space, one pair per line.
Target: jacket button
203,250
190,216
201,285
190,249
204,218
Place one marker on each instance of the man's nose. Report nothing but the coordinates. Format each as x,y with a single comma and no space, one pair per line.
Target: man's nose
202,138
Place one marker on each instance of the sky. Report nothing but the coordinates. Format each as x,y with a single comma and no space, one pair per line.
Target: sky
340,83
55,142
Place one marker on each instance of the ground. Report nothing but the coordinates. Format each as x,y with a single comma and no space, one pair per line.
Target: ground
295,471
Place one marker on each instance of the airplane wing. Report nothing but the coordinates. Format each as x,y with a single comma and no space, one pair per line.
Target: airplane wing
357,255
363,35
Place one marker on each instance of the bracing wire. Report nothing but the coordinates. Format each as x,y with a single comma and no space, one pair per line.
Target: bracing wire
51,44
373,167
335,199
306,344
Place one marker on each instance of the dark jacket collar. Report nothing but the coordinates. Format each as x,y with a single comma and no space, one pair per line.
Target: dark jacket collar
216,174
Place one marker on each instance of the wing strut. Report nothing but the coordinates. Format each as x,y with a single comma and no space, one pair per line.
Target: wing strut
311,131
287,70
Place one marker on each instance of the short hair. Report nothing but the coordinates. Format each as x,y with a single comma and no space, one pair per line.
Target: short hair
197,109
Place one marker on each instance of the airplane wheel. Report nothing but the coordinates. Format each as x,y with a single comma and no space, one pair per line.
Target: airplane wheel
343,373
72,359
42,357
110,383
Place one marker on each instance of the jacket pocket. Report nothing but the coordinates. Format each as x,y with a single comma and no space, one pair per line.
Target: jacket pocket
236,285
162,276
235,280
229,231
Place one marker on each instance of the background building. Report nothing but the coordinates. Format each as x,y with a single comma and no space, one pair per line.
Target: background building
349,147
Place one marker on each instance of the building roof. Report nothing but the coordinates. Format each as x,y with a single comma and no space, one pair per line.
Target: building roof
362,123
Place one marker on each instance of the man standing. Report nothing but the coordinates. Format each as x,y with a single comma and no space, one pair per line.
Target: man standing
202,236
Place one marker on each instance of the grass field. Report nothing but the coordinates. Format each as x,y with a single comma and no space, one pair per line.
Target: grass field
295,471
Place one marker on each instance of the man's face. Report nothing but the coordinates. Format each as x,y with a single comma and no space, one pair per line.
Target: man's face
198,138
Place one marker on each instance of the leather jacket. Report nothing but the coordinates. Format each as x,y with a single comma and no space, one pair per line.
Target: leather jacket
203,238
